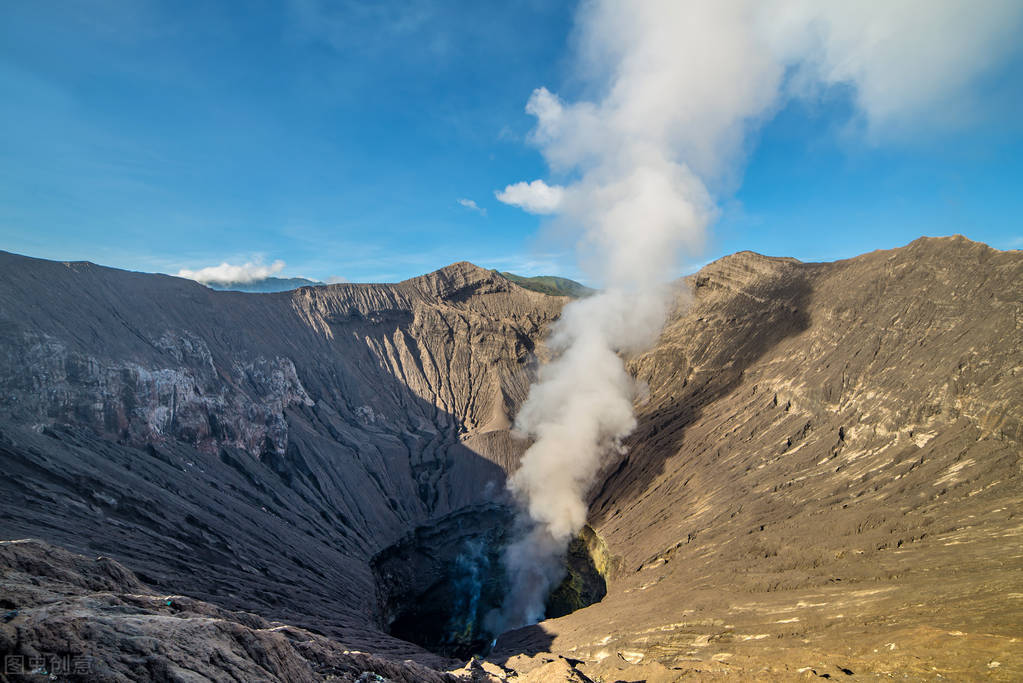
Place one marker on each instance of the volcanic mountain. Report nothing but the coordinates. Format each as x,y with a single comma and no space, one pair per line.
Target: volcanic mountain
825,480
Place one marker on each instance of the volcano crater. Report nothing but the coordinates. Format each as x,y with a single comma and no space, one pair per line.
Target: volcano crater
437,585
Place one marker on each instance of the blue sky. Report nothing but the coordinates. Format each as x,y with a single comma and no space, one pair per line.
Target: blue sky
340,137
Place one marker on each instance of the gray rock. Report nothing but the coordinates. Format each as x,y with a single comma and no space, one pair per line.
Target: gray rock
825,477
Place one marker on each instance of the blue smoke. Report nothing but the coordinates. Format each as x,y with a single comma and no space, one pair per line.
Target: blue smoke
471,570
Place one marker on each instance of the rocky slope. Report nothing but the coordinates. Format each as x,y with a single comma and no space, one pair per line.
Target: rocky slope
825,479
827,475
85,619
256,450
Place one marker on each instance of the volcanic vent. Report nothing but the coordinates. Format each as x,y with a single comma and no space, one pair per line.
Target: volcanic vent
439,584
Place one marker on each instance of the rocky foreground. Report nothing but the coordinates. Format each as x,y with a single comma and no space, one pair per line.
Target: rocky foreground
825,482
92,619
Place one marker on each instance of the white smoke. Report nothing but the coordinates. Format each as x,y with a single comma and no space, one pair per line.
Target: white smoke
227,273
914,65
681,85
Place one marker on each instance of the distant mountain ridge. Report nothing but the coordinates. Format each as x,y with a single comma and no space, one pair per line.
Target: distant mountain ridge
551,285
264,285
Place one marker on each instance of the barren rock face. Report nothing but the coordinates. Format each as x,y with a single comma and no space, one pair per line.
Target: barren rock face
826,473
256,450
825,478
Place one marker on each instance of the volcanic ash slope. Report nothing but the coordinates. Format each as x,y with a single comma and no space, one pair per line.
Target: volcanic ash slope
825,479
257,450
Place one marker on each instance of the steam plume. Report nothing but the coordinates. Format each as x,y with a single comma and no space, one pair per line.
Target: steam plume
681,84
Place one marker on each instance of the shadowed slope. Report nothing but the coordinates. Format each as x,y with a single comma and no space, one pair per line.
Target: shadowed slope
256,450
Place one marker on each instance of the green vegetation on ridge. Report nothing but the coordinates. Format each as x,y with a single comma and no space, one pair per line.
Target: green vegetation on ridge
549,284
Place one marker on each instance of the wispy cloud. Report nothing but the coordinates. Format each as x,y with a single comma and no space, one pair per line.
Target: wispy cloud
226,272
373,28
472,206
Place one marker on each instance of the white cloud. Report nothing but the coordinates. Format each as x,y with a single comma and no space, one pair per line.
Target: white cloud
472,206
337,280
534,197
225,272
